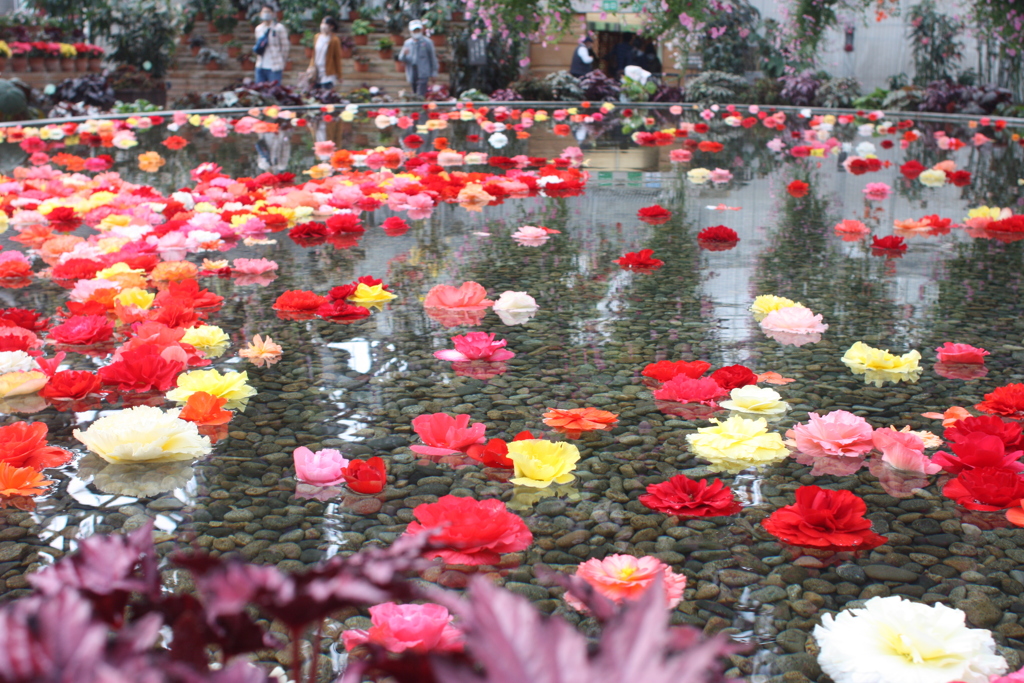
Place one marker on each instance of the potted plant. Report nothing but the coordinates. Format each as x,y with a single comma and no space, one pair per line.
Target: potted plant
308,42
19,55
434,21
212,59
5,53
246,61
361,29
399,66
386,46
362,63
95,57
394,20
196,44
51,56
225,21
234,48
437,35
296,27
68,53
347,45
37,56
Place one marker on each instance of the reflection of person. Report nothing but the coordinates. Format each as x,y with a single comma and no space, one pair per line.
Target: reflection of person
582,59
270,64
419,58
623,53
325,64
275,150
651,62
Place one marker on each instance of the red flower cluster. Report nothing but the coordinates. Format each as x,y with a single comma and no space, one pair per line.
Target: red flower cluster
83,330
912,169
494,453
24,445
717,238
470,532
664,370
710,146
798,188
654,215
734,376
986,488
888,245
1006,400
979,450
685,497
640,261
1010,433
825,520
859,166
1009,224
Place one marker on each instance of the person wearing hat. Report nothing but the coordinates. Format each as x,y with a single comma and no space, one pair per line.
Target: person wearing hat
583,58
419,58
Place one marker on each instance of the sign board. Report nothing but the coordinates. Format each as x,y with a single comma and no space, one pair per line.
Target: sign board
477,51
609,5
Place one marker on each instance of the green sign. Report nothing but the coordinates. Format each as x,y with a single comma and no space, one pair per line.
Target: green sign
609,5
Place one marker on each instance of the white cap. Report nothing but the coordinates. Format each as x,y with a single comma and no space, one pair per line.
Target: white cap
415,25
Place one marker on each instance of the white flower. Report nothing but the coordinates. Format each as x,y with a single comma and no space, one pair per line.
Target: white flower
515,308
865,130
144,434
865,149
636,73
755,400
892,640
16,361
932,177
498,140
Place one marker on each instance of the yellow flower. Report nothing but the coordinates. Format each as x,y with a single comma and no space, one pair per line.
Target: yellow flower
3,222
150,162
540,116
114,221
817,151
698,176
214,265
195,119
5,50
348,116
756,400
538,463
319,171
367,295
119,268
766,303
262,351
68,50
738,443
993,212
230,385
20,383
134,296
932,178
880,366
209,339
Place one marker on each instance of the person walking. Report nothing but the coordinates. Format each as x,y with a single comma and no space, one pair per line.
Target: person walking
271,47
325,64
582,59
419,58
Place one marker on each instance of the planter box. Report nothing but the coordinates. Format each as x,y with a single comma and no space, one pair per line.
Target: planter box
361,40
439,39
52,63
19,63
233,52
212,66
95,64
67,63
224,38
309,53
387,54
346,53
294,38
82,64
362,67
400,67
36,64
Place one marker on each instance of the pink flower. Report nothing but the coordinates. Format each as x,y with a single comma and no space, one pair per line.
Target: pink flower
796,319
476,346
531,236
851,228
445,435
322,468
680,156
1015,677
253,266
896,483
961,353
468,295
683,389
877,191
624,577
720,176
837,433
397,628
904,451
836,465
324,149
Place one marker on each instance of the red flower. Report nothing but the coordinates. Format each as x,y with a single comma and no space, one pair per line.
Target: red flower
27,318
71,385
683,389
299,300
642,261
24,445
340,310
959,178
468,531
734,376
685,497
1010,433
494,453
858,166
700,128
188,292
798,188
980,450
888,243
1006,400
308,234
76,269
1008,224
709,146
395,226
366,476
371,281
142,369
824,520
62,214
562,129
83,330
717,238
205,410
14,338
664,370
175,142
986,488
654,215
912,169
344,222
342,292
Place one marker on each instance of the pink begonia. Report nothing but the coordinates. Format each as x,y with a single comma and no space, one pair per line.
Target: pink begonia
720,176
397,628
476,346
776,144
253,266
323,149
961,353
468,295
322,468
443,434
904,451
838,433
531,236
625,577
794,319
683,389
877,191
180,118
680,156
1015,677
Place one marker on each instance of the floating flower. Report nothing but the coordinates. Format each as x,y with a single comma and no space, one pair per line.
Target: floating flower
417,628
83,330
892,640
205,410
446,435
642,261
733,376
151,162
684,389
624,577
476,346
838,433
144,434
960,353
755,400
494,453
717,238
737,443
880,366
979,450
531,236
1006,400
538,462
877,191
966,427
890,245
824,520
148,367
986,488
654,214
798,189
904,451
325,467
698,176
766,303
262,352
230,385
680,156
468,295
684,497
299,300
794,325
932,177
370,295
720,176
366,476
210,339
19,483
515,308
23,444
664,370
574,421
470,532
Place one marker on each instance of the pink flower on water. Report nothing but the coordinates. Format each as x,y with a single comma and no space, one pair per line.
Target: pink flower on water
680,156
850,227
397,628
253,266
445,435
1015,677
838,433
683,389
468,295
877,191
624,577
323,149
531,236
961,353
775,144
476,346
720,176
796,319
322,468
904,451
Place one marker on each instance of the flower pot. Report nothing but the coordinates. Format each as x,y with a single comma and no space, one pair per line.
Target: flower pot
346,53
439,39
399,67
95,63
387,54
211,27
82,63
52,63
3,63
361,40
212,66
240,16
247,64
362,67
309,53
397,39
294,38
200,16
67,63
36,64
19,63
225,38
233,52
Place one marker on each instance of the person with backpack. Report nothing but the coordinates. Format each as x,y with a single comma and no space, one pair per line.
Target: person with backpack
419,58
271,47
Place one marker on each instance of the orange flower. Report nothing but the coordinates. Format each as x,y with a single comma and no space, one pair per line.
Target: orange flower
52,248
1016,515
950,417
341,159
440,143
772,377
522,135
575,421
205,409
175,271
262,351
473,197
175,142
150,162
19,484
69,161
33,236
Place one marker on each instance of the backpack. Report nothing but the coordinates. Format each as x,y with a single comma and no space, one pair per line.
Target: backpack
261,45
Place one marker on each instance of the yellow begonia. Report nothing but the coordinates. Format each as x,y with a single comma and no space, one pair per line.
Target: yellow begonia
144,434
230,385
738,443
932,178
766,303
119,268
880,366
755,400
113,221
367,295
133,296
209,339
68,50
993,212
110,245
538,462
21,383
540,116
698,176
319,171
3,222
